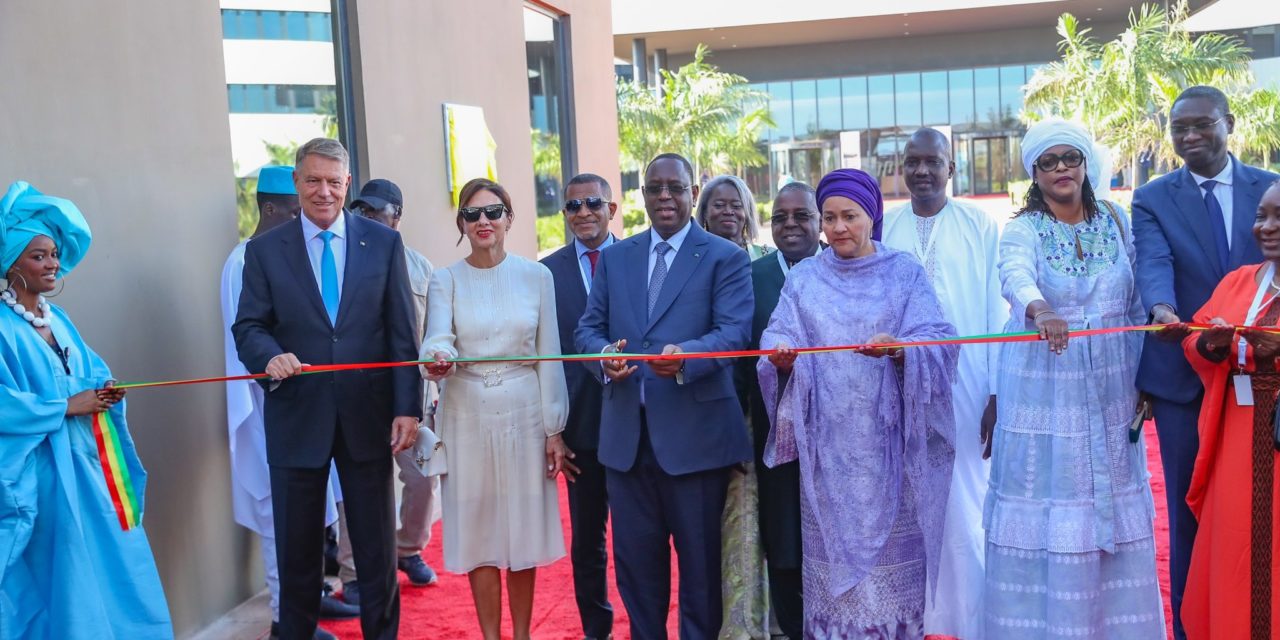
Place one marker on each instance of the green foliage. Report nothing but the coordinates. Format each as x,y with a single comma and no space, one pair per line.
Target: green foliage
1122,90
282,155
712,118
634,218
551,232
246,206
546,153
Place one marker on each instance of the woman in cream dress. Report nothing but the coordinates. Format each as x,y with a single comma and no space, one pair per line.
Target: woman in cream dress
501,421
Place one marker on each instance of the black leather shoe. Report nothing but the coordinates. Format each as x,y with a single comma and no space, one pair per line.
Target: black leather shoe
332,608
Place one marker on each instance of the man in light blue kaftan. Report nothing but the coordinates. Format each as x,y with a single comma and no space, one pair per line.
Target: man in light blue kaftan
70,570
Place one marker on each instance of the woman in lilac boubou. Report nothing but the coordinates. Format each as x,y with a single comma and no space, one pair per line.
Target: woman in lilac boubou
875,463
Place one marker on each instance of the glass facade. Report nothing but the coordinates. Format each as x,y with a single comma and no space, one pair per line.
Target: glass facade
244,24
548,100
864,121
278,98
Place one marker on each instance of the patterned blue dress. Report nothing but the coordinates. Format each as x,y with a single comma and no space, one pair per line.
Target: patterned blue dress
1069,514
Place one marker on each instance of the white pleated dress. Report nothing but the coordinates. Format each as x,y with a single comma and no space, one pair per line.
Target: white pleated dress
499,508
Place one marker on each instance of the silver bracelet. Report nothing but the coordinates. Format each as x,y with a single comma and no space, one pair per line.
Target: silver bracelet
1037,316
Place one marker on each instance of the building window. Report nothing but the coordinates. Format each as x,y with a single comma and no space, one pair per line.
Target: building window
829,119
277,98
986,92
933,96
907,99
804,95
780,109
546,53
880,98
244,24
1011,81
854,91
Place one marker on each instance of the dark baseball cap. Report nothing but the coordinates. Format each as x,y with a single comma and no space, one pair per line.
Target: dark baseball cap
379,193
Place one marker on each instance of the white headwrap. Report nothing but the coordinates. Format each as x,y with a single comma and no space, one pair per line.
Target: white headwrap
1051,132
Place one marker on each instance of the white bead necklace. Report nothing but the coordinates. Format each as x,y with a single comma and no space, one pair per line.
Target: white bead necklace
42,305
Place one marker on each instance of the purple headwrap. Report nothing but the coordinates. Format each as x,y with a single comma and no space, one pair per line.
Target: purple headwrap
858,186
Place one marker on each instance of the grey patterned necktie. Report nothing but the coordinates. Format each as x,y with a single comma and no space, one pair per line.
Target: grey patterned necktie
659,274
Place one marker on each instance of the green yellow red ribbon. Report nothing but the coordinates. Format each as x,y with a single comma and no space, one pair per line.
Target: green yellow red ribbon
993,338
115,471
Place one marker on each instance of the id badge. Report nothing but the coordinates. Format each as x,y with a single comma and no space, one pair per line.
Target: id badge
1244,390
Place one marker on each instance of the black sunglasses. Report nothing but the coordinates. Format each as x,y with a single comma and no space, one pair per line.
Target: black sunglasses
593,203
675,189
492,212
1049,161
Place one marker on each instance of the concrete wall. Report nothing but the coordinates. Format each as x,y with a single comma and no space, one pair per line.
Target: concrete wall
892,55
122,107
411,57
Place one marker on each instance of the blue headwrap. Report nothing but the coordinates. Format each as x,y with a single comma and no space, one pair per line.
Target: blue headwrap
25,214
858,186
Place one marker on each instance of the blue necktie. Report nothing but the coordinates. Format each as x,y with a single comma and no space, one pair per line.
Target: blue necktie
329,278
1218,222
659,274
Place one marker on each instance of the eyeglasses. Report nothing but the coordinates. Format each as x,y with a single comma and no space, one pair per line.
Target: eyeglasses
914,163
593,203
1050,161
1179,130
675,189
367,211
492,212
800,217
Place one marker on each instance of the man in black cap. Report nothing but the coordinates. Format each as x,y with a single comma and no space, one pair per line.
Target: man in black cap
381,201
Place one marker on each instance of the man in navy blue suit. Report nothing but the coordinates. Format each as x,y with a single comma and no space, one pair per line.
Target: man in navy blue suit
1191,227
671,428
331,288
588,208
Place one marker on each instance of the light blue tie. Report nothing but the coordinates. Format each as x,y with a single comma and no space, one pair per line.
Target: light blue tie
329,278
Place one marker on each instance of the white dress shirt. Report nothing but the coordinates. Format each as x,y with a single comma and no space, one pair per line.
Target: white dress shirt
1222,192
315,247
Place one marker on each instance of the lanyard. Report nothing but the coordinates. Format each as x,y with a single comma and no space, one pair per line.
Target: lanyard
1258,305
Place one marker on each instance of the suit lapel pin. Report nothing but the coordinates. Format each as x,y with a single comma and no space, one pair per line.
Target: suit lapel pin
697,255
362,243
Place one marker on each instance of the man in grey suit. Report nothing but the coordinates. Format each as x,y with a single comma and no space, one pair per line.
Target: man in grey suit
670,428
1191,227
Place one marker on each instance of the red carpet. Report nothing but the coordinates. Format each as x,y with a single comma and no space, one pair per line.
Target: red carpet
445,611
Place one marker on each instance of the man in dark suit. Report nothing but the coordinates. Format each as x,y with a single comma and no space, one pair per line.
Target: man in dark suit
331,288
1191,227
671,428
796,223
588,209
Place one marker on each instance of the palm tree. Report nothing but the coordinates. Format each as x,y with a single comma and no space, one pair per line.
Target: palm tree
1122,90
1257,131
711,117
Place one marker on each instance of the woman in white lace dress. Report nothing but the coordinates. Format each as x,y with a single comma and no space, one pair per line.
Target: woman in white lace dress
500,421
1069,516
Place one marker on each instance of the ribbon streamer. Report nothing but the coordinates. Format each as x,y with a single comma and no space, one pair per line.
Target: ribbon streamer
993,338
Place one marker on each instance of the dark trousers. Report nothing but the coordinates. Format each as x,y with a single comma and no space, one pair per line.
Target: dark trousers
650,509
785,586
298,497
588,513
1176,428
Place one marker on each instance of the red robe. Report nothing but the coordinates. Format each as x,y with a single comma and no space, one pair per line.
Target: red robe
1218,594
